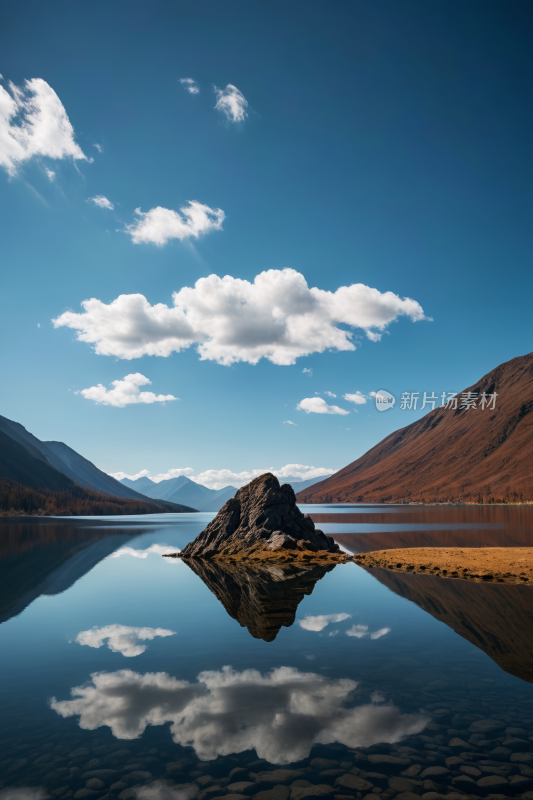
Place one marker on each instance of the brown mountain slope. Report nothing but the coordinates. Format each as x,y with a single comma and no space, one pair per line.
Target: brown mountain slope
468,455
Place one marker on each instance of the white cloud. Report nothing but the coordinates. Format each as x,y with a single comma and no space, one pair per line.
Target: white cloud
329,394
191,86
317,405
280,714
125,392
358,398
121,638
219,478
99,148
157,549
277,317
374,336
377,697
50,174
144,473
288,422
34,123
231,102
380,633
321,621
159,225
308,371
102,202
357,631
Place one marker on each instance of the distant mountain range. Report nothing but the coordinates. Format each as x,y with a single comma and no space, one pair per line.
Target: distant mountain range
185,491
51,474
462,454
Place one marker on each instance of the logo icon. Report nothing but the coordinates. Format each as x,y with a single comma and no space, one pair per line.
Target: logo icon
384,400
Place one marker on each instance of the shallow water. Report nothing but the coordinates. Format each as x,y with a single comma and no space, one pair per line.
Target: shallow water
126,674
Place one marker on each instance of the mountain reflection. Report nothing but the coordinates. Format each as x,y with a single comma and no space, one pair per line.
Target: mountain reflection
48,558
261,598
281,714
497,619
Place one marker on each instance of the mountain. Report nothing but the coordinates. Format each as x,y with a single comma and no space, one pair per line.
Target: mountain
299,485
461,455
67,461
497,619
184,491
219,499
17,464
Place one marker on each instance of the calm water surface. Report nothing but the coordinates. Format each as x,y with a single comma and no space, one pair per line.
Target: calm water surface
126,674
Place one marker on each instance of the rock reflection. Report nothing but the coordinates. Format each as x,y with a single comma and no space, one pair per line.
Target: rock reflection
496,619
281,714
261,598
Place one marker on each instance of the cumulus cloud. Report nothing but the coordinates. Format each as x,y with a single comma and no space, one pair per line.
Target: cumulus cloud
377,697
219,478
125,392
34,123
157,549
191,85
102,202
159,225
308,371
380,633
50,174
317,405
281,714
121,638
232,103
277,317
358,398
321,621
357,631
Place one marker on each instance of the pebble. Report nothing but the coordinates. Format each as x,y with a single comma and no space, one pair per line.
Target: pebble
401,784
320,790
240,786
277,793
353,782
492,781
524,758
278,776
82,794
430,772
94,783
486,725
101,774
412,771
323,763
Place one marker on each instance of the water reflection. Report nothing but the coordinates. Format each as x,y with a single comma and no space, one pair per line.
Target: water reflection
121,638
37,559
497,619
281,713
260,598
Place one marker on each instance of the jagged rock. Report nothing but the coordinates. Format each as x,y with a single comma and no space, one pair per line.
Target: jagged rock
261,518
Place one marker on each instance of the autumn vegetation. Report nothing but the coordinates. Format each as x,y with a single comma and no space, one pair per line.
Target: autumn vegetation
73,501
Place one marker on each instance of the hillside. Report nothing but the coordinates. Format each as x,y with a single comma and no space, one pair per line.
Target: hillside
66,460
183,490
461,455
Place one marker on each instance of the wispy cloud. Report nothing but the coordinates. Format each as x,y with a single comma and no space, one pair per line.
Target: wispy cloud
232,103
380,633
34,123
191,86
156,549
125,392
159,225
277,317
321,621
50,174
102,202
288,422
358,398
308,371
317,405
121,638
357,631
99,148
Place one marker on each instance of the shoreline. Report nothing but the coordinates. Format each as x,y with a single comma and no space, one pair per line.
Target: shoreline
511,565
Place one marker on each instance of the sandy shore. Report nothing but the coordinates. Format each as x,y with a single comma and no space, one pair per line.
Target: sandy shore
483,564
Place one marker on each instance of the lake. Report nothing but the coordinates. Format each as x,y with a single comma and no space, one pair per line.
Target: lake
126,674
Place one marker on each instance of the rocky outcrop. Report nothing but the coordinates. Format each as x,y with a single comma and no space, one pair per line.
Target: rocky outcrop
261,597
261,521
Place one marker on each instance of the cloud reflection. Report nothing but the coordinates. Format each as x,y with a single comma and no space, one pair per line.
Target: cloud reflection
321,621
158,549
121,638
281,714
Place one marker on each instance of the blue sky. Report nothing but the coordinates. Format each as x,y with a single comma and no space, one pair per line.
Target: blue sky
387,145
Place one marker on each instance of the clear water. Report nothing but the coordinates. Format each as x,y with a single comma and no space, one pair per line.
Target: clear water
122,674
